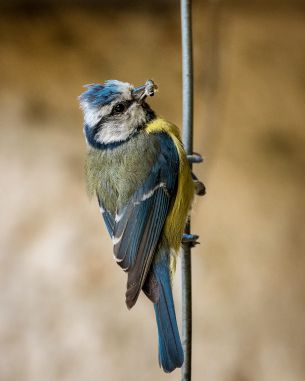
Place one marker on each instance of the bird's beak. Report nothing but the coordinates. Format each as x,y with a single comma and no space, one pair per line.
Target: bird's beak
141,92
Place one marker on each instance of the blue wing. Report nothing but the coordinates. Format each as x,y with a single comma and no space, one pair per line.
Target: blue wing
138,225
107,216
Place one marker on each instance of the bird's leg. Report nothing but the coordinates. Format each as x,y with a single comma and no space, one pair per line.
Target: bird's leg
190,239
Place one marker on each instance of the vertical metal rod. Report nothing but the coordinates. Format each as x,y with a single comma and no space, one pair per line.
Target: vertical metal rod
187,133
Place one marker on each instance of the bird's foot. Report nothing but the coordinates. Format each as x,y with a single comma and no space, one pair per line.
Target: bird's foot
199,186
190,239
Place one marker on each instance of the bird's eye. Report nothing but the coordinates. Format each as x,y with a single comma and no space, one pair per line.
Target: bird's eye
120,107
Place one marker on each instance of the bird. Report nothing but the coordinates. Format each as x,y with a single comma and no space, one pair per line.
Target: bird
138,169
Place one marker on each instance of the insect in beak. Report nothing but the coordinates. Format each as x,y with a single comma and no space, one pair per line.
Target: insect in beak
141,92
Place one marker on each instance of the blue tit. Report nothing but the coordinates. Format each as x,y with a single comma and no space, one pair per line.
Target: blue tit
137,167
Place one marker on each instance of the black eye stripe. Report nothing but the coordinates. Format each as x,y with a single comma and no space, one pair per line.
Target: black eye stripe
120,107
107,117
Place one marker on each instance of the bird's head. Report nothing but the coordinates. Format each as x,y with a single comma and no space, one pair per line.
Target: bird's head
114,111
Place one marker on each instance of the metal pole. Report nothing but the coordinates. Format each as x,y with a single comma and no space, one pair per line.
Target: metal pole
187,133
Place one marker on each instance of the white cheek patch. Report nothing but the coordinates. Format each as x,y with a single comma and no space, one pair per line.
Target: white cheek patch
114,128
93,114
119,130
111,132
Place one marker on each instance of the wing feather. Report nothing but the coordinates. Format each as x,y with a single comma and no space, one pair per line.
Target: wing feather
108,218
149,241
137,227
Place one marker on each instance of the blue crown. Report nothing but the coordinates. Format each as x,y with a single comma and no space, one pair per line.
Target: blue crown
99,95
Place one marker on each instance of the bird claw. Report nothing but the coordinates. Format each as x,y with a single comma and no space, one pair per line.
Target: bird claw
199,186
190,239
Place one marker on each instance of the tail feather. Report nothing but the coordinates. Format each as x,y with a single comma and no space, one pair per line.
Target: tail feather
170,348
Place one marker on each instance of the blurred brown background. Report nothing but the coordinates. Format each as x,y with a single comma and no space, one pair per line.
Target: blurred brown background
62,311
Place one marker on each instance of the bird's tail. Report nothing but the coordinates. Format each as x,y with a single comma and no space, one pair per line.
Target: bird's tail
170,348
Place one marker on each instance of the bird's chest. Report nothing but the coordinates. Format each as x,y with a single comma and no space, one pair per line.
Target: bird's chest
115,174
